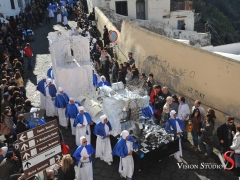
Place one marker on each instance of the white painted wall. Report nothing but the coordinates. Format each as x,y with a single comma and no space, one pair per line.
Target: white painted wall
180,15
157,9
6,10
233,48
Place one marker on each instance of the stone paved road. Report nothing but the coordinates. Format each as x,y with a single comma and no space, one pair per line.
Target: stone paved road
167,169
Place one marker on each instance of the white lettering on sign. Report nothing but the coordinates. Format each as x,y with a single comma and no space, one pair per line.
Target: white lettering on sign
40,130
43,167
50,127
48,136
41,157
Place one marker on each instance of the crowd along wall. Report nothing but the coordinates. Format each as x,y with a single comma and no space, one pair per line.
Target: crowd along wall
191,72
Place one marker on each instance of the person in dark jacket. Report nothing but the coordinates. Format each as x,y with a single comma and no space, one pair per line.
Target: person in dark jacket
21,126
224,133
9,166
6,102
66,170
106,68
28,106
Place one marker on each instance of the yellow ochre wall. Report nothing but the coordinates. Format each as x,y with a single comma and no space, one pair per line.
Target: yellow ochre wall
191,72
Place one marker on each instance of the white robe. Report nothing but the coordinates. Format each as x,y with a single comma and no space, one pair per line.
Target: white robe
59,18
103,147
65,20
81,131
42,101
86,171
50,107
178,154
63,121
73,128
127,163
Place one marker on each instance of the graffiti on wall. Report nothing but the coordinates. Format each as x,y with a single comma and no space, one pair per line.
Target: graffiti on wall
173,77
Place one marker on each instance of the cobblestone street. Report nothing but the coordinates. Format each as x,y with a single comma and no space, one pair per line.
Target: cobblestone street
166,169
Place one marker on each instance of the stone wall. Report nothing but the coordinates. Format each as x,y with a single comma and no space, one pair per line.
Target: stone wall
191,72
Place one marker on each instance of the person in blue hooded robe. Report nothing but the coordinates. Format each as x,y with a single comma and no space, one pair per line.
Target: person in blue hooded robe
103,145
175,126
124,149
95,79
50,73
148,112
71,113
41,88
83,155
61,102
103,82
50,10
50,99
82,124
65,15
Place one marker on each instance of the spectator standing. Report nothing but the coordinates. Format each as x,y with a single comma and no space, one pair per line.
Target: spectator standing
21,126
9,166
150,83
197,104
66,170
20,84
196,120
236,147
207,134
29,55
175,103
130,58
183,113
224,133
129,75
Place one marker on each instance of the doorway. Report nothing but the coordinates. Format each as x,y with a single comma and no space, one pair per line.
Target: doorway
140,10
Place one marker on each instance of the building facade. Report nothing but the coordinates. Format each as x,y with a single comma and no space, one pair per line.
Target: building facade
11,7
153,10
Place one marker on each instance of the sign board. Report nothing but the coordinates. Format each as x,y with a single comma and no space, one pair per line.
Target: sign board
39,148
113,36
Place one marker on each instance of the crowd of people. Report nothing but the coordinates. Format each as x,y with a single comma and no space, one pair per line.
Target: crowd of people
169,111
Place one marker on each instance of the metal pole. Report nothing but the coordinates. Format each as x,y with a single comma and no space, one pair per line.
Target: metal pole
45,175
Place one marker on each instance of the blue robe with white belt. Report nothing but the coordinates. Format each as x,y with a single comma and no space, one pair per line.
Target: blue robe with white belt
72,110
79,119
147,113
120,149
61,100
106,83
52,90
41,87
77,153
50,73
100,130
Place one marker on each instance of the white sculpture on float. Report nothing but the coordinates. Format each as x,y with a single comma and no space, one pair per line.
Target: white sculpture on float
118,102
71,66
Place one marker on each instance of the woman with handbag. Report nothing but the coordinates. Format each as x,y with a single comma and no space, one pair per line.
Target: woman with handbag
196,122
207,136
7,121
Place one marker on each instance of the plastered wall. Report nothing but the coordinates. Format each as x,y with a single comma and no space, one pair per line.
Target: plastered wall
191,72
